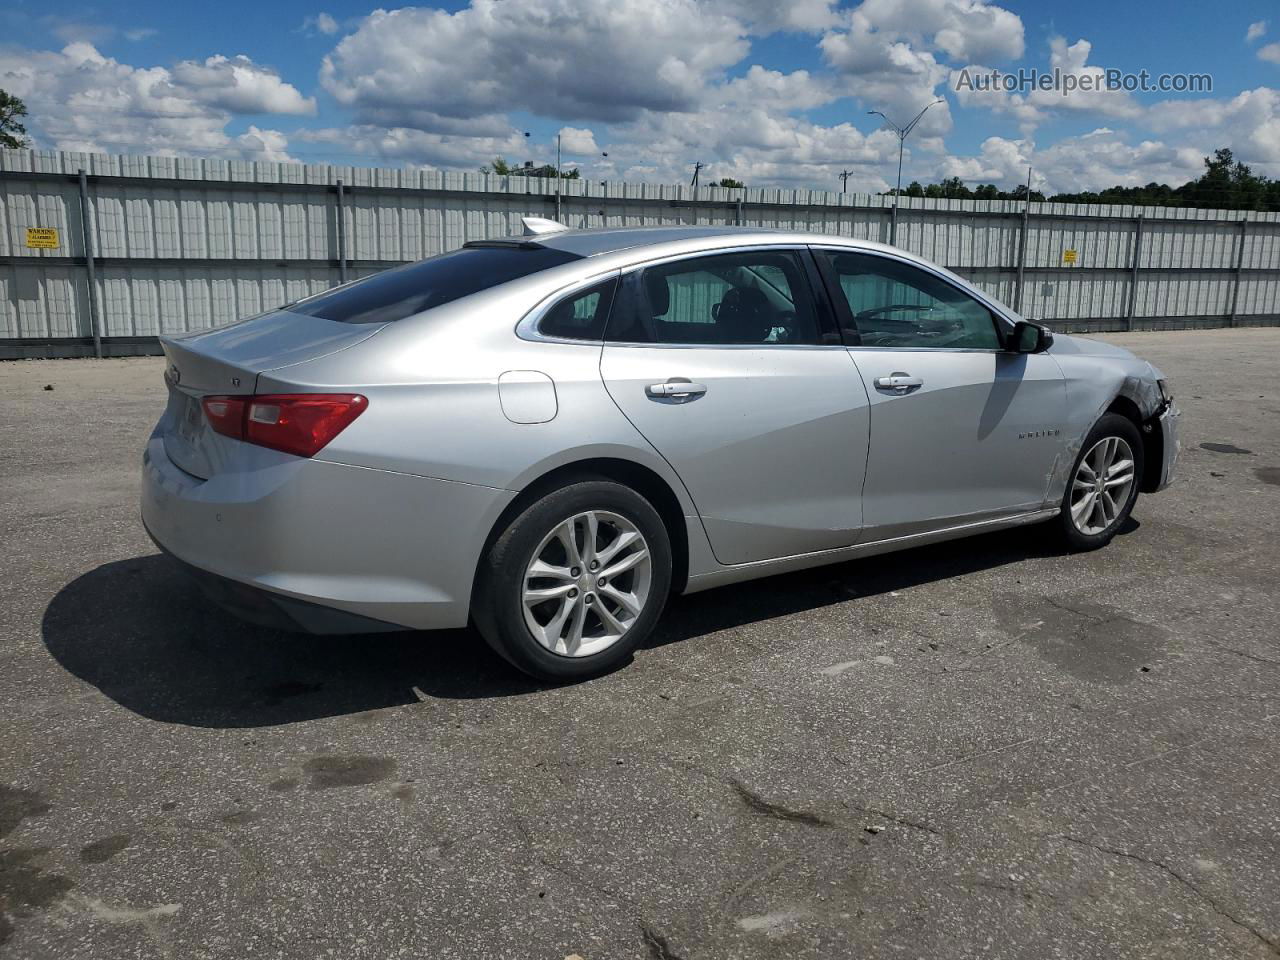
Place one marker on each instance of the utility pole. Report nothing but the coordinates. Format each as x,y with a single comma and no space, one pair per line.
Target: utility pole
902,133
844,179
697,168
1022,245
559,179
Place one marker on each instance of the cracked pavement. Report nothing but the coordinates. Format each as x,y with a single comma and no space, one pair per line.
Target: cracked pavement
980,749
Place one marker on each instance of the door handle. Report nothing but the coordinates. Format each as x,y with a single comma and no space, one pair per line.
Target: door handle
676,389
899,382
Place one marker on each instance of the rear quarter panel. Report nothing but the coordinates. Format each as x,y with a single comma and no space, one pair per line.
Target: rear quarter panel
435,408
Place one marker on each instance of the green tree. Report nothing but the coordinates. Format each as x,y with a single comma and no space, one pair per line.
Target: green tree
731,183
504,169
1225,184
499,166
12,133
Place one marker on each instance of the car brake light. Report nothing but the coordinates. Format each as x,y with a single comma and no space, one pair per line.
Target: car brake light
226,415
298,423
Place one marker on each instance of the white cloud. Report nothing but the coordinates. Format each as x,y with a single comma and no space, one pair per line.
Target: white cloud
764,17
1255,31
963,29
81,100
779,91
78,31
1248,123
568,58
1093,161
140,33
659,84
970,91
321,23
893,77
579,142
1073,59
888,51
744,131
239,85
1034,107
402,145
255,144
887,47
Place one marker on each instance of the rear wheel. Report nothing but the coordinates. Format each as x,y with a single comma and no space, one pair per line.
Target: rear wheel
575,582
1103,484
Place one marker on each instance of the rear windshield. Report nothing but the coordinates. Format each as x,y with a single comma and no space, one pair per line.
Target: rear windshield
404,291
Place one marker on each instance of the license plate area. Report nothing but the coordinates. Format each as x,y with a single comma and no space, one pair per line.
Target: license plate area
190,418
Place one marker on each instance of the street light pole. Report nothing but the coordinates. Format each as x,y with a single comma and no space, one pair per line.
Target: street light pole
558,177
902,133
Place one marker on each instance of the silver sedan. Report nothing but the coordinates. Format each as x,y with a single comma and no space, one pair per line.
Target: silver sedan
547,435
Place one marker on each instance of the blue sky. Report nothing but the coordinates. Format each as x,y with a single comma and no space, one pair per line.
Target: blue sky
769,94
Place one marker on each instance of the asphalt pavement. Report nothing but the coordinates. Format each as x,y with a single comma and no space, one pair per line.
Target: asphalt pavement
986,748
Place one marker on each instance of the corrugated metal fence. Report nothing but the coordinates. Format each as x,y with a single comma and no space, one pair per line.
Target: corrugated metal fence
181,244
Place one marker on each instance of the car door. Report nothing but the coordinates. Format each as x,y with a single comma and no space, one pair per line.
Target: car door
961,430
729,365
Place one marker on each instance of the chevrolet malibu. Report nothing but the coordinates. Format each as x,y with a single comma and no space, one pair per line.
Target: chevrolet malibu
547,435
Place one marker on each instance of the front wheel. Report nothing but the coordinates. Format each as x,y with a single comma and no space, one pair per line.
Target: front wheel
575,582
1103,484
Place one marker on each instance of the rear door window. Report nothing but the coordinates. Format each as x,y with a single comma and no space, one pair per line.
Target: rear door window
750,297
403,291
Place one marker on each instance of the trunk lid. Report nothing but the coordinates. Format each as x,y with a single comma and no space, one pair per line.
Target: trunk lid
227,361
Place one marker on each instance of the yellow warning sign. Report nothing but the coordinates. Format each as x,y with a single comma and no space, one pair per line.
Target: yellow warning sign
1068,256
45,238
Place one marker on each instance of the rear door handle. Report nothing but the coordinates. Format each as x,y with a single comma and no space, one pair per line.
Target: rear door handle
899,382
675,388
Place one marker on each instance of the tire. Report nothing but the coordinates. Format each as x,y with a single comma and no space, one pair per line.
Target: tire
1094,508
583,628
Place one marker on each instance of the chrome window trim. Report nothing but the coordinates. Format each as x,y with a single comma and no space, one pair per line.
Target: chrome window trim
634,344
715,252
989,350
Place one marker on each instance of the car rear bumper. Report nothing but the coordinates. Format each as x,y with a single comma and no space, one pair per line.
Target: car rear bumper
275,610
378,550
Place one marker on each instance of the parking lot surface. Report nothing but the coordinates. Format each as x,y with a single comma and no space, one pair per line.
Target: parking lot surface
980,749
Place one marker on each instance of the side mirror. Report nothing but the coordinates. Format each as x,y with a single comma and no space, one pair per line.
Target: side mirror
1028,337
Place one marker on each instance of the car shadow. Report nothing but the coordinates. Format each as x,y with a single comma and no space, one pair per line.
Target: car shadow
142,633
757,600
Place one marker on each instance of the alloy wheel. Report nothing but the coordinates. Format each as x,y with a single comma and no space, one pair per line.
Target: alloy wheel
588,582
1101,486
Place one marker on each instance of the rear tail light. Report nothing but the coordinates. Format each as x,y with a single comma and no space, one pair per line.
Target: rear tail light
297,423
226,415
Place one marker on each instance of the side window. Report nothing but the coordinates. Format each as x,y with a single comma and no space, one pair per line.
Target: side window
897,305
760,297
581,316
